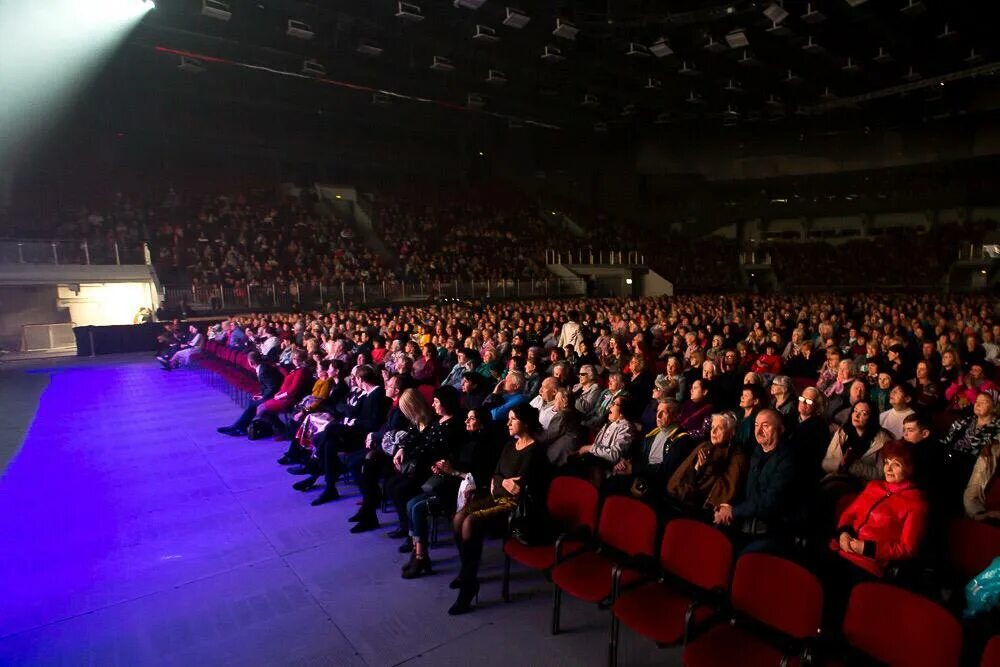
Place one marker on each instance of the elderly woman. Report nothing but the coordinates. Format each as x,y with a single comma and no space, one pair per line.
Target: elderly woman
982,493
587,391
562,435
712,474
610,445
887,521
967,437
522,463
783,398
838,393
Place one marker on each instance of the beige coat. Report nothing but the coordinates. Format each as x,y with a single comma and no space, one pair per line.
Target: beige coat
868,467
982,473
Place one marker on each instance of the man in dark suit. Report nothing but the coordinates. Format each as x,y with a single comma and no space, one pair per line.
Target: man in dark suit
363,413
270,379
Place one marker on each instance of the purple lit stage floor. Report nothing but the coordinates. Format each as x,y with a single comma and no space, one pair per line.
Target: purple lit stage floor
131,533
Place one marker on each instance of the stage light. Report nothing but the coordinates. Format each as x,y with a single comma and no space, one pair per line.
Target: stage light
40,77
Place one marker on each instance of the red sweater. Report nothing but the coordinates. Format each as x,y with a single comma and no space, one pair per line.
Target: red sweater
890,519
297,385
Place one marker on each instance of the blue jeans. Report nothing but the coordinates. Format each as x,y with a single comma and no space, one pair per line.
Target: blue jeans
418,509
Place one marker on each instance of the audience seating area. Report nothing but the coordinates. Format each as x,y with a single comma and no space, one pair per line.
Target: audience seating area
664,570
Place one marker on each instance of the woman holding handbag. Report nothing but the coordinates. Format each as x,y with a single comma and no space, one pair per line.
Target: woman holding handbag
433,435
476,455
522,463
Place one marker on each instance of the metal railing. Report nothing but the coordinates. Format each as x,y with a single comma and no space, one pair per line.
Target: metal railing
755,258
969,252
15,251
595,257
310,295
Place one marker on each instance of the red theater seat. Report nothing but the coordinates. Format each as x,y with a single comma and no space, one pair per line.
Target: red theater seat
901,629
991,654
626,530
572,502
696,561
972,546
778,607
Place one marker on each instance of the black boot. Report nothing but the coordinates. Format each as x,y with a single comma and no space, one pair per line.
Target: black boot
466,595
305,484
419,567
368,522
329,493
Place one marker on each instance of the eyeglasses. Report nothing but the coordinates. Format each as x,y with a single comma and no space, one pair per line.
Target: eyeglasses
807,401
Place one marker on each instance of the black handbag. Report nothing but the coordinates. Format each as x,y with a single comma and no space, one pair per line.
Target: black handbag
260,429
529,523
433,483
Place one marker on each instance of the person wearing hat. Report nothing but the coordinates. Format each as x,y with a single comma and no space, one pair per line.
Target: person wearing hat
887,521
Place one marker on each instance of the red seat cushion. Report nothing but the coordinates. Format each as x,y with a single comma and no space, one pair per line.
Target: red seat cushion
656,611
588,576
537,557
732,645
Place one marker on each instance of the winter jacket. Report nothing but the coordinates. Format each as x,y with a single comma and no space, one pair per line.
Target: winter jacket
890,519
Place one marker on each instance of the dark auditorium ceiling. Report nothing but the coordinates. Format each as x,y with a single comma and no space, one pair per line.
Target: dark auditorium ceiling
918,60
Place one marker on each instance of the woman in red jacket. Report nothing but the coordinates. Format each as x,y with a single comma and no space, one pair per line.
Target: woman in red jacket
887,521
297,384
768,363
884,524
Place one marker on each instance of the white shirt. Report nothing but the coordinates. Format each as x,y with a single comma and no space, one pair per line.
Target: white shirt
892,421
656,449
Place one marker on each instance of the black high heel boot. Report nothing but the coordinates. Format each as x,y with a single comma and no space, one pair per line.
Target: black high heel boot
466,595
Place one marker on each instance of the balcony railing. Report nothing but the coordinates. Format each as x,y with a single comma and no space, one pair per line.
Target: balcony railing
15,251
313,295
595,257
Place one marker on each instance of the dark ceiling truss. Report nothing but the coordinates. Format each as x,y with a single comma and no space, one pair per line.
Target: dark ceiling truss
804,64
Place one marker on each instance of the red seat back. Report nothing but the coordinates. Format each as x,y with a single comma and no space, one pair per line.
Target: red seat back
901,628
628,525
697,553
573,502
972,545
991,654
779,593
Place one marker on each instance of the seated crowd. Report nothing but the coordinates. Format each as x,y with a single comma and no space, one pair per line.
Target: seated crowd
854,426
457,238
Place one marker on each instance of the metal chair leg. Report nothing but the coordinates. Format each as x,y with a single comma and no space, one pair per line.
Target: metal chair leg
506,578
556,608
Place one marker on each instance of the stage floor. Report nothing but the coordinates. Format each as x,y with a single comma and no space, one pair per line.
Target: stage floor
131,533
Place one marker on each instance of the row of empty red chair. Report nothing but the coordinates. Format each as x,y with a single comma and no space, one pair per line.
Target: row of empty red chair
683,589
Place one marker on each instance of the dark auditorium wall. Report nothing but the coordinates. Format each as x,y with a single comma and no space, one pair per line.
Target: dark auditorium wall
27,304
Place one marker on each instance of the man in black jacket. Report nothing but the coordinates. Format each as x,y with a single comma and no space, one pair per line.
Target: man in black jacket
369,465
769,514
363,414
270,379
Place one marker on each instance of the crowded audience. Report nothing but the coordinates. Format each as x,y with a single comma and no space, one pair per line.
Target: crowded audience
456,409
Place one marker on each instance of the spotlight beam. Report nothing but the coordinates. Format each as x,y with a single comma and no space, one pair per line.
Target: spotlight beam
50,51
